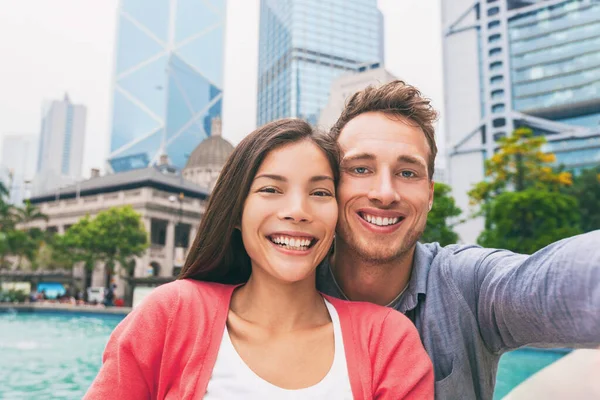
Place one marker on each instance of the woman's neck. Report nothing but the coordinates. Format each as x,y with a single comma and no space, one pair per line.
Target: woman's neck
279,306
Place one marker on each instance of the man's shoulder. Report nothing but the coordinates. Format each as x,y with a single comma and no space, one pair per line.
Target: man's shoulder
455,256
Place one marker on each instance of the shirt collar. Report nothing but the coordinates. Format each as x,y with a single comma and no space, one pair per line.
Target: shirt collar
418,278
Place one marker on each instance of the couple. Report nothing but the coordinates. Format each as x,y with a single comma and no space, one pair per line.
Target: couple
246,320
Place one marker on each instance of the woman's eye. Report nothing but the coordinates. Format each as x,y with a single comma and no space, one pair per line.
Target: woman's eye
407,174
322,193
268,190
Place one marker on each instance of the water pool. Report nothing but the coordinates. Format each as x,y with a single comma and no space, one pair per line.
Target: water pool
46,355
51,355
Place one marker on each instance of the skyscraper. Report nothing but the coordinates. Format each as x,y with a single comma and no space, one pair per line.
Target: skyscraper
304,45
17,164
60,150
510,63
168,79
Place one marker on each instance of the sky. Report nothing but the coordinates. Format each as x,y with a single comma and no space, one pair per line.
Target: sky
52,47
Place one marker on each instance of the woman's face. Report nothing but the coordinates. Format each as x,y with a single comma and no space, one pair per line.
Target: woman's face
289,216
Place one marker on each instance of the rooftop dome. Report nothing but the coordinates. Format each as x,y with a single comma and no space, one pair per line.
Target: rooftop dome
213,150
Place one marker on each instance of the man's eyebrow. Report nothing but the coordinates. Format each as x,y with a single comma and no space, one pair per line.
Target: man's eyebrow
280,178
412,160
359,157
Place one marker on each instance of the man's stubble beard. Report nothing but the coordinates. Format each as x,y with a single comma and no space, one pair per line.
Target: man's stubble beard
374,254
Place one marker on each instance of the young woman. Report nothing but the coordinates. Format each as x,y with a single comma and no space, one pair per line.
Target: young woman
245,321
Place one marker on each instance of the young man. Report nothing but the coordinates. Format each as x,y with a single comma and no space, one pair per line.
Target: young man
469,304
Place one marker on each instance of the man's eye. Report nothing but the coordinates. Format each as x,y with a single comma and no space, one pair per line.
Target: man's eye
360,170
407,174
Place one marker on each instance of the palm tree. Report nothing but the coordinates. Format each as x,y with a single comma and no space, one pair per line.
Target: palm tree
28,213
6,223
27,243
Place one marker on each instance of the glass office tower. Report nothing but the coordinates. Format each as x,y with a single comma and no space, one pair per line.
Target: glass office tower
168,79
511,63
304,45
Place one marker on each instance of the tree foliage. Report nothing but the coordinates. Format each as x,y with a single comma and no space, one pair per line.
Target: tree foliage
116,235
523,198
526,221
586,189
22,242
519,164
439,228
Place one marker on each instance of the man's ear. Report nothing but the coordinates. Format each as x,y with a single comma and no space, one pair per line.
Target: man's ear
431,194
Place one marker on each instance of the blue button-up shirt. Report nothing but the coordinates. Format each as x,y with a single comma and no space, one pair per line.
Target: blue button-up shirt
471,304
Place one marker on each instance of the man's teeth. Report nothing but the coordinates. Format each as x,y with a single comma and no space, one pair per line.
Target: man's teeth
379,221
292,243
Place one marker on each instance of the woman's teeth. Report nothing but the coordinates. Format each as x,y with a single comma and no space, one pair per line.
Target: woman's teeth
379,221
292,243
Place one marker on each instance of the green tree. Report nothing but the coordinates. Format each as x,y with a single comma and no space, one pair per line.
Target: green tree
116,235
586,188
438,227
522,197
6,224
53,253
526,221
519,164
28,213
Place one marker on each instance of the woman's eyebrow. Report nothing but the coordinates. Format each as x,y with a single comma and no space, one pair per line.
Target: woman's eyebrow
281,178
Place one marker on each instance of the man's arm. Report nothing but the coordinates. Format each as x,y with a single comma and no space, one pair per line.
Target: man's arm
548,299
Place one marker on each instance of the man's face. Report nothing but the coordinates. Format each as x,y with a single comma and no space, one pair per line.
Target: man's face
384,193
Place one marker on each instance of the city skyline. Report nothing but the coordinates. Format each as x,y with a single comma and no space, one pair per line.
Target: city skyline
46,59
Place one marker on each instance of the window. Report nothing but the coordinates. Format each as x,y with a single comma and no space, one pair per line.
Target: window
493,11
498,108
494,38
493,24
496,79
497,94
496,66
499,122
495,51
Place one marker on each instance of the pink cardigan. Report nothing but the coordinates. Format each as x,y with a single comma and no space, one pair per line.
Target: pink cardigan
167,346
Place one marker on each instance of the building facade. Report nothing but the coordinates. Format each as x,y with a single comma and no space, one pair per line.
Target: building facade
60,149
18,163
170,208
346,85
304,45
510,63
168,79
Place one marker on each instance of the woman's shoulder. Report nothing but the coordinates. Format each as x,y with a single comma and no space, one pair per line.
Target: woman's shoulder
187,292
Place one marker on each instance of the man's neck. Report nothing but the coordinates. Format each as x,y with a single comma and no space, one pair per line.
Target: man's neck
362,280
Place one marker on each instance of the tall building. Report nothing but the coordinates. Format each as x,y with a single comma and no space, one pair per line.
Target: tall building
60,150
304,45
18,163
346,85
510,63
168,79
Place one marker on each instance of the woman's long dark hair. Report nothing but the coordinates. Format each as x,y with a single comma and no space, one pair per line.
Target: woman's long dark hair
218,253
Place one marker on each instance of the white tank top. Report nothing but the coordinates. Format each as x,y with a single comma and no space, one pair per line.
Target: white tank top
233,379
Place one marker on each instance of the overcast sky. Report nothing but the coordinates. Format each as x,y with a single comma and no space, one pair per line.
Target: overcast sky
49,47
